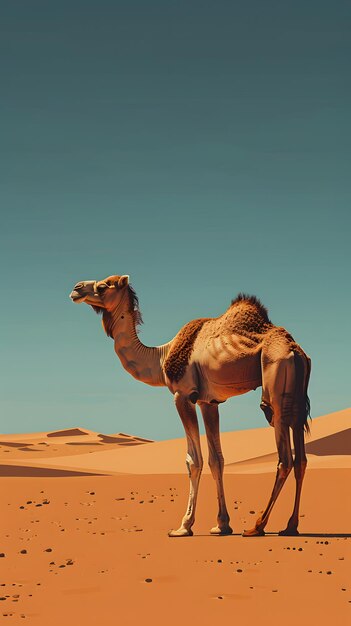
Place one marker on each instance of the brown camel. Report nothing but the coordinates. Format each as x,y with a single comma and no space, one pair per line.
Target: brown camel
207,362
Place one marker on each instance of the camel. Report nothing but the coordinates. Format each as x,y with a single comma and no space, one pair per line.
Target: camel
207,362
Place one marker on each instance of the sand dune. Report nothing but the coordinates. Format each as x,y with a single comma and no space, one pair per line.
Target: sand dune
50,449
68,432
244,451
336,443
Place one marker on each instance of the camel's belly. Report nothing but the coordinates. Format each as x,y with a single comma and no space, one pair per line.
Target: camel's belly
230,369
230,374
214,392
233,369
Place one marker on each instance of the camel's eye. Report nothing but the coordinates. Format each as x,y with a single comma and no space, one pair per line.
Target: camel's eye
102,287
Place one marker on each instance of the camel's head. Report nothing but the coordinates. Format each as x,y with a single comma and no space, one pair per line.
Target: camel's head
102,294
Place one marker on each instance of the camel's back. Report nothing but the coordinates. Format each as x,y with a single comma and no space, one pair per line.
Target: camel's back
246,316
217,342
244,320
221,357
229,355
197,335
228,350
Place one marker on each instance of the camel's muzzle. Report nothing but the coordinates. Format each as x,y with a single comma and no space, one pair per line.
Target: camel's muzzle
82,290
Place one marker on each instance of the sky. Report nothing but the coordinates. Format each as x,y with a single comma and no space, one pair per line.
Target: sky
203,148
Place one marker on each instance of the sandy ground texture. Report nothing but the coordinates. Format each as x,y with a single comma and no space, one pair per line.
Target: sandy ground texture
84,532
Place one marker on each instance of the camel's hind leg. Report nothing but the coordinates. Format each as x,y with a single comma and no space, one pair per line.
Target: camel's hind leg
210,416
278,392
194,462
300,463
284,468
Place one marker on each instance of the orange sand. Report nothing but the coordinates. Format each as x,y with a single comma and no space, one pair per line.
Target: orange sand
92,513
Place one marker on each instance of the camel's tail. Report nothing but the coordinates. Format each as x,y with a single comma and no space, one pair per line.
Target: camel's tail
303,371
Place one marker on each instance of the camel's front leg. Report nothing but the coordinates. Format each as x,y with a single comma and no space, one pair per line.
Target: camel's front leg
210,416
194,462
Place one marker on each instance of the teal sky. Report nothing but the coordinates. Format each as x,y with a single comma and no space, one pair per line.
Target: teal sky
201,147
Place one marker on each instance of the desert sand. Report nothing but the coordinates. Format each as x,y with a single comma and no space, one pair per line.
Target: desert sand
86,515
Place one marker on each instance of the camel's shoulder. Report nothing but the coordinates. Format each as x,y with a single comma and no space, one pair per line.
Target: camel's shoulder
182,347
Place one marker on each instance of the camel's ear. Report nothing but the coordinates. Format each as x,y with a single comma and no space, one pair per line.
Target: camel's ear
123,282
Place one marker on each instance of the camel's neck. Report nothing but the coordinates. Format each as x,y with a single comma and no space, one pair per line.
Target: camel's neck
142,362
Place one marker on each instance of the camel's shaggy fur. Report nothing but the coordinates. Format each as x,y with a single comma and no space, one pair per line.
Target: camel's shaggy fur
179,355
250,318
248,315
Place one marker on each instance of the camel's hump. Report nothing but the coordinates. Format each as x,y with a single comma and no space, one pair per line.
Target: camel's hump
179,355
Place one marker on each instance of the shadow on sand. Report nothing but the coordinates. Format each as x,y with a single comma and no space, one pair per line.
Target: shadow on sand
326,534
29,472
345,535
271,534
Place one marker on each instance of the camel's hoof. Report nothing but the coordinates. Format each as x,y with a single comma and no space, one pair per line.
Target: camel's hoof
289,532
221,531
181,532
254,532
